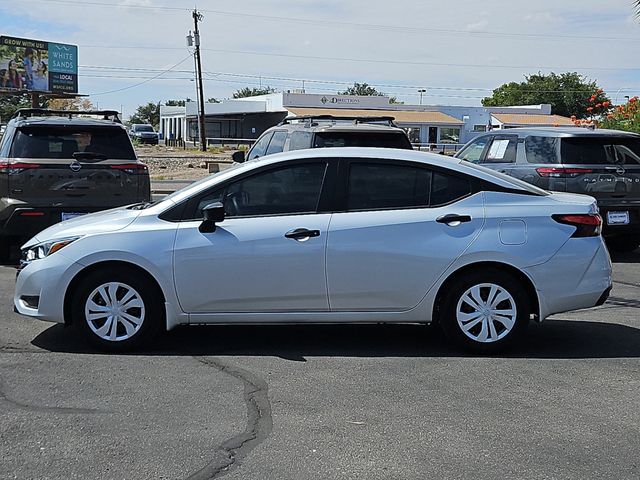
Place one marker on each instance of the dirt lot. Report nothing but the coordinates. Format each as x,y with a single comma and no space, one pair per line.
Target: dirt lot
169,163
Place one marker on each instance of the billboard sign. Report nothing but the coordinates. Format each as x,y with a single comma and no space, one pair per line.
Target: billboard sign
37,66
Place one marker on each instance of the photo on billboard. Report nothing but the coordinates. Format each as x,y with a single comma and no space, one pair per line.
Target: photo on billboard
37,66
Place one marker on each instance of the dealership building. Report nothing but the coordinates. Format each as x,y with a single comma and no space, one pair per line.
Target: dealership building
247,118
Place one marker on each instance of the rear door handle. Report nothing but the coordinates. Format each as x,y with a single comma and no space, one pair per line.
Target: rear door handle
453,219
302,234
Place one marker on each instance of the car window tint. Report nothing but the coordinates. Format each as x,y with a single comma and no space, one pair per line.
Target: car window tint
473,152
300,140
541,149
362,139
447,188
502,150
601,150
260,147
276,145
62,142
288,190
374,186
207,199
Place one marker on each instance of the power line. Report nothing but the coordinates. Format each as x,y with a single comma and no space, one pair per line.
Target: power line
298,81
368,26
376,61
145,81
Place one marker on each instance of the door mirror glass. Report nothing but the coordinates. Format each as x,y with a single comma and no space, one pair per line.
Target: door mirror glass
213,213
238,156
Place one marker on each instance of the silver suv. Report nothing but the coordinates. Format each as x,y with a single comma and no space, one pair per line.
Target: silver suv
297,133
602,163
55,165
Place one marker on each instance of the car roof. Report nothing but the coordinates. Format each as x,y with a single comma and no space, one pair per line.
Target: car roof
426,158
560,132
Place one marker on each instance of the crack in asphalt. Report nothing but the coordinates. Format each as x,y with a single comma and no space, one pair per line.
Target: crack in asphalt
628,284
623,302
230,453
41,408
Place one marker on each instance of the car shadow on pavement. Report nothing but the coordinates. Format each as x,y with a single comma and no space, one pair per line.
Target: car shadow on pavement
564,339
625,257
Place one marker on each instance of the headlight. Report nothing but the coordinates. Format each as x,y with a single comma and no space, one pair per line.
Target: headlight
45,249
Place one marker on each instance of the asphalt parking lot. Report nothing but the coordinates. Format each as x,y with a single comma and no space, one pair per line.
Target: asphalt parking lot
326,402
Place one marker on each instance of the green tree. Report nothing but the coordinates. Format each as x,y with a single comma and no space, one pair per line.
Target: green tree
213,100
70,104
176,103
252,92
10,103
568,93
149,113
363,89
624,117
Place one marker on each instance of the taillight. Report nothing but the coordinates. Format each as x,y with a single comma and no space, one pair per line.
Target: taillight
561,172
587,225
9,166
131,167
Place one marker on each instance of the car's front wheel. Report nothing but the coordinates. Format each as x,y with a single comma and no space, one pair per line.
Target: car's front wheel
486,311
117,310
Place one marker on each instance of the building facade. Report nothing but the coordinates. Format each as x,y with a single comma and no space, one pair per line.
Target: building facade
247,118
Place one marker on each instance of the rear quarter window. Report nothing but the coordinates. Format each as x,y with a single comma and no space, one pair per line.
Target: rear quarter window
600,150
362,139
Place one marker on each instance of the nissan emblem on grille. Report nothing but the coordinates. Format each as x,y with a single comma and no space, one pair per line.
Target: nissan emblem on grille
75,166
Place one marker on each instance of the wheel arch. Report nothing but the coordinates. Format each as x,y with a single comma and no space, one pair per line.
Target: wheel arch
505,267
113,264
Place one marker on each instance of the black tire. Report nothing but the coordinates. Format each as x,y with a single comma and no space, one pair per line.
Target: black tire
505,338
147,292
623,244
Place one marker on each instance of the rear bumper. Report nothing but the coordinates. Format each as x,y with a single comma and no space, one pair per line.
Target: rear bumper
577,276
633,227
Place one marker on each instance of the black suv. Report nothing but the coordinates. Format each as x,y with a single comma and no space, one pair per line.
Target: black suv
55,165
297,133
602,163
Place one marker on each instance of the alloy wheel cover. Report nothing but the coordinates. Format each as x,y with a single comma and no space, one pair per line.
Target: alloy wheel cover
486,313
114,311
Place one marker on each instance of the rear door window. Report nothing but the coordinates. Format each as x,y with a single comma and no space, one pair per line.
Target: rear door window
300,140
600,150
63,142
541,149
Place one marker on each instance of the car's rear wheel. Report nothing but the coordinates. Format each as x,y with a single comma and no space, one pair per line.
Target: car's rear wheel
117,310
486,311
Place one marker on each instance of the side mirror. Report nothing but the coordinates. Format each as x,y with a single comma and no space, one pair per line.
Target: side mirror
213,213
238,156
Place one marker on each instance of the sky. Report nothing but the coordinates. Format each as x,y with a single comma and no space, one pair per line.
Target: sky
134,51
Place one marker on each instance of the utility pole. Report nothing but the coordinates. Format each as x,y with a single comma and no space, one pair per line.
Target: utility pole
421,91
197,17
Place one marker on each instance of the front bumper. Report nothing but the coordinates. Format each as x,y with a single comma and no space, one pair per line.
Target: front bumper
41,286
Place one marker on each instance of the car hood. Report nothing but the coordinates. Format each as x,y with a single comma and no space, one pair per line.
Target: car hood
100,222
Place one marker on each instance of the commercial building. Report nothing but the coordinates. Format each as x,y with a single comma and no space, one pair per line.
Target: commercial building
247,118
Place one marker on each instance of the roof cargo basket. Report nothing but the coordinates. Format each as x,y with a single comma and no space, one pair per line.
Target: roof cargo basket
311,120
112,115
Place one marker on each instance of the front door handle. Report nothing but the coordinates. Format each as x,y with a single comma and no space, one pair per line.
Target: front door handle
302,234
453,219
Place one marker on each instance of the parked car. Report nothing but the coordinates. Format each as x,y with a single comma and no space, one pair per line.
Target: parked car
58,165
602,163
296,133
338,235
144,133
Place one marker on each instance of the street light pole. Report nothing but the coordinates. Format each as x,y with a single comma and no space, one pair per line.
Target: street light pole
197,16
421,91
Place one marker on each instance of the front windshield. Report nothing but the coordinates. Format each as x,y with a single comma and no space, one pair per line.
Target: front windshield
201,181
143,128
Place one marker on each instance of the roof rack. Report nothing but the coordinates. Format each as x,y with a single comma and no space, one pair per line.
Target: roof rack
112,115
311,119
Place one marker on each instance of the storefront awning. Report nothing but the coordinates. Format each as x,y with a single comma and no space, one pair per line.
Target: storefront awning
401,116
518,119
